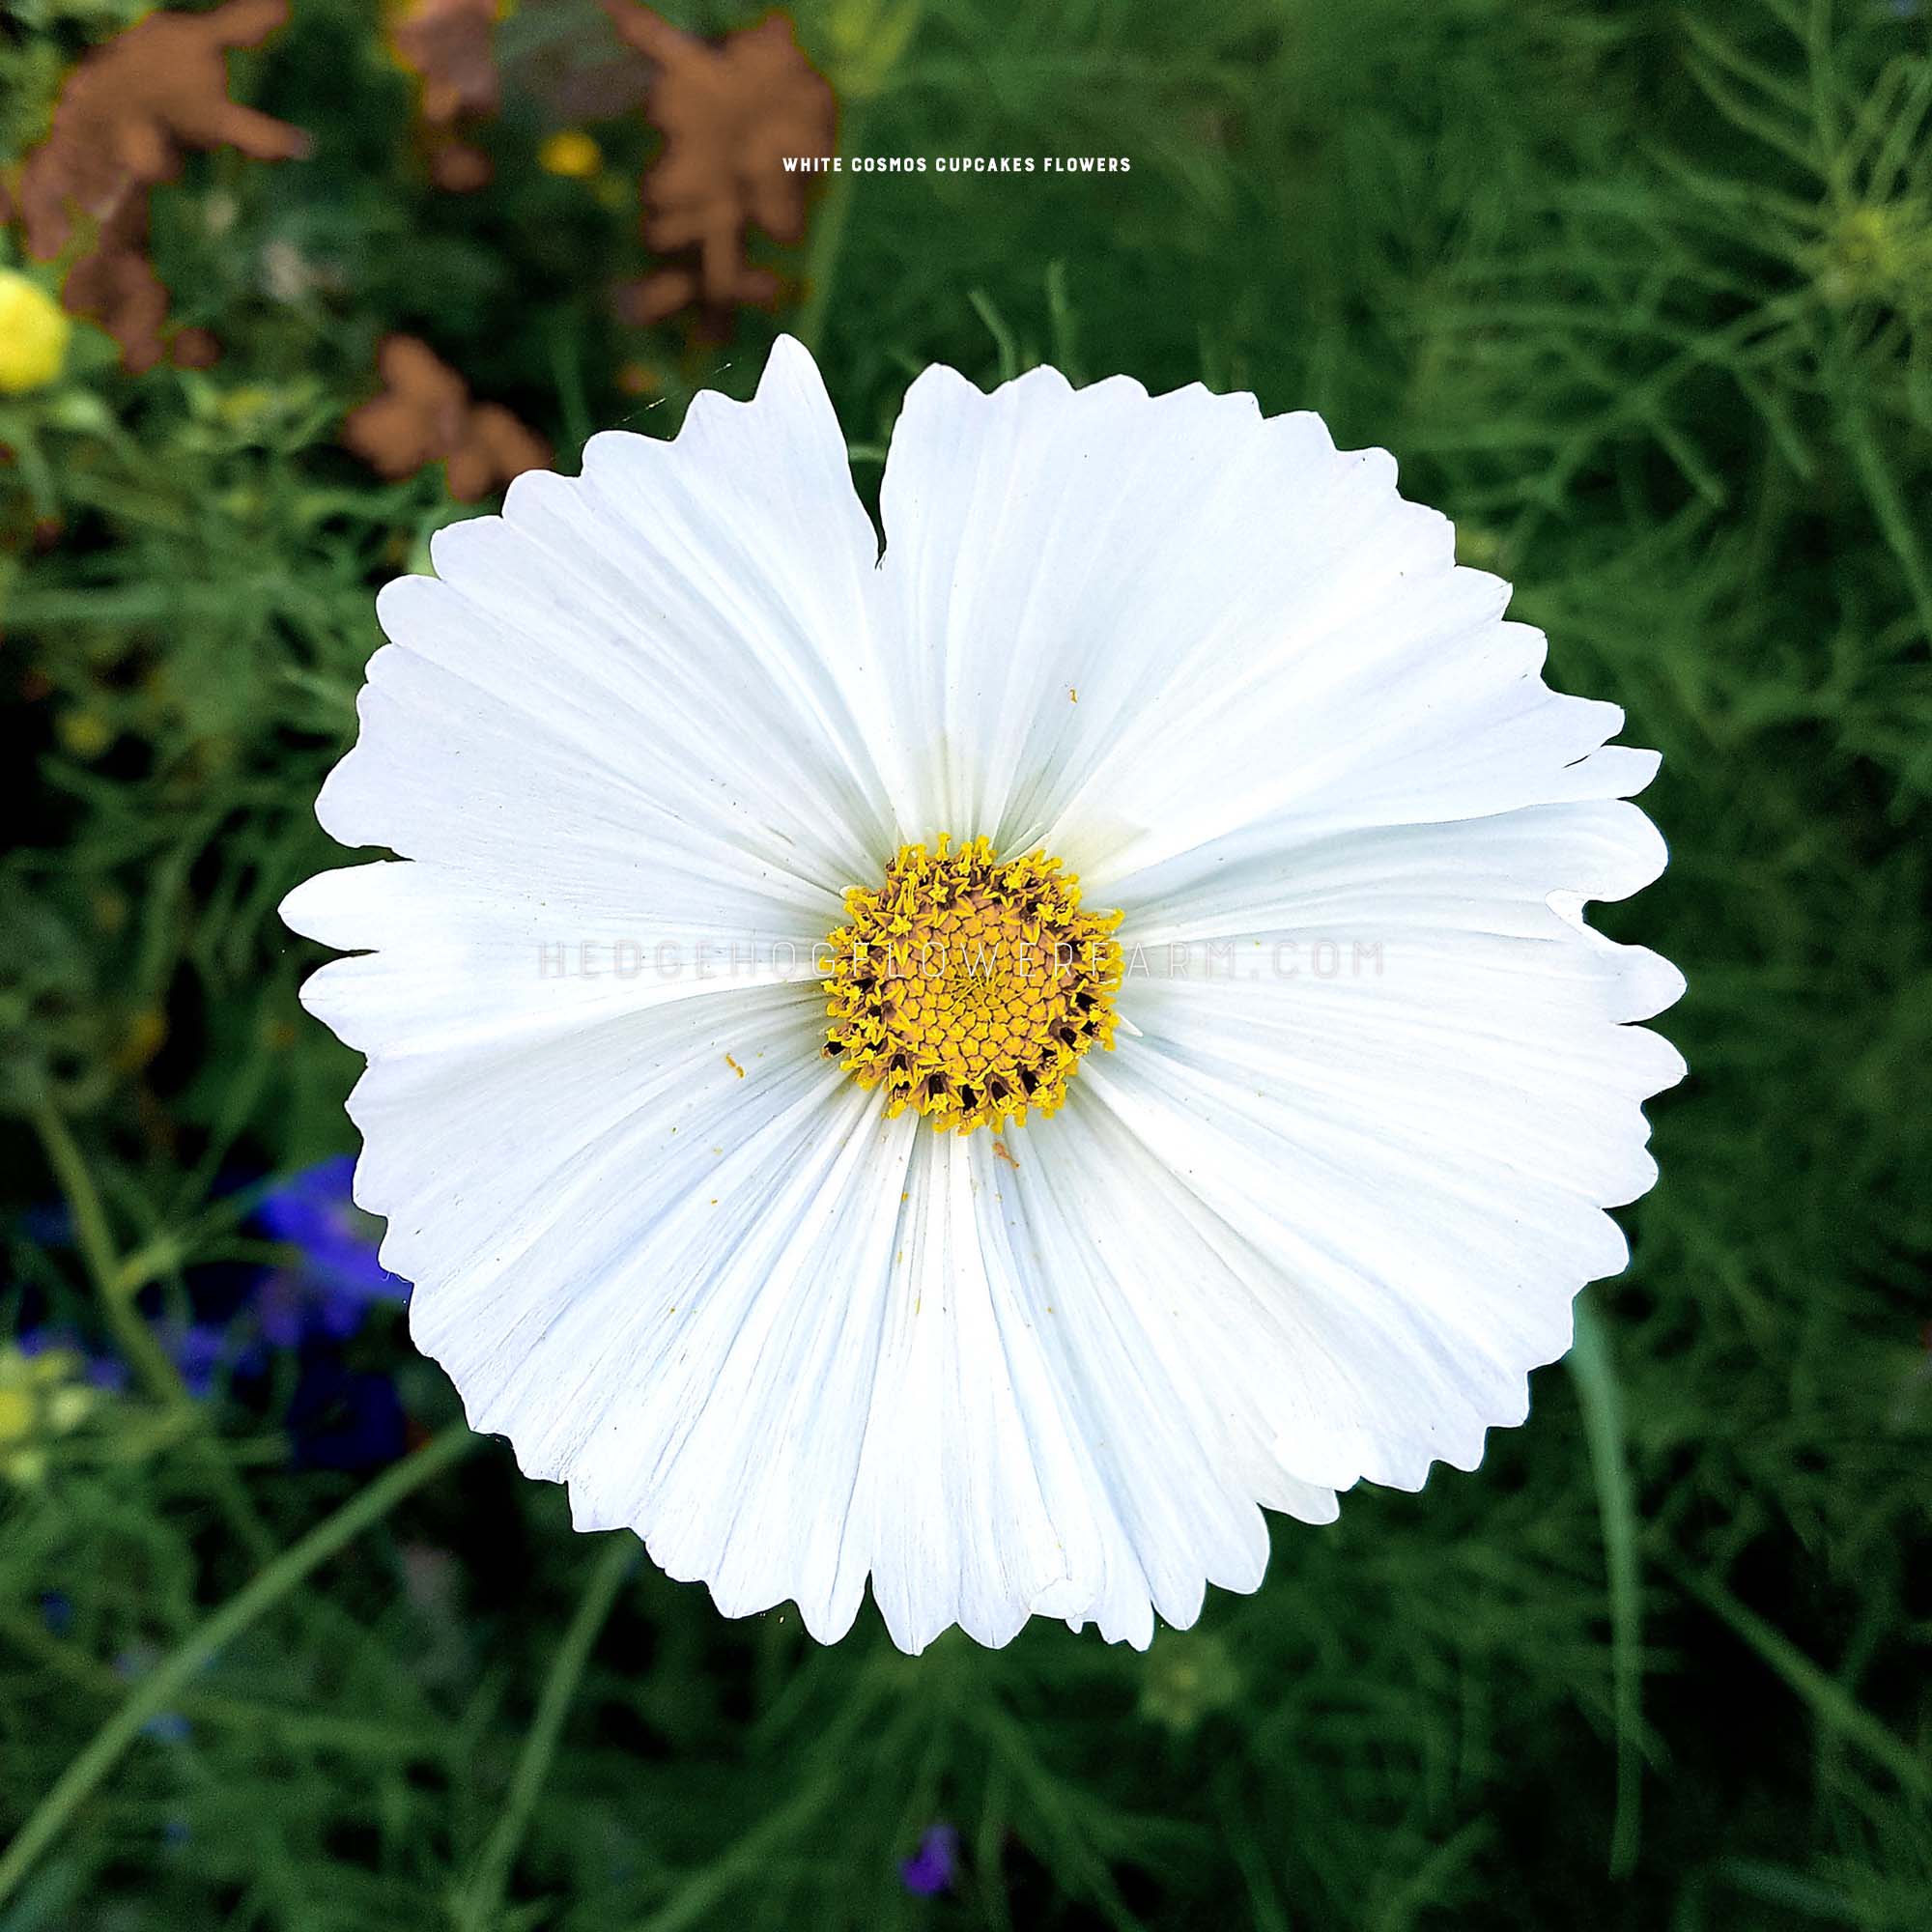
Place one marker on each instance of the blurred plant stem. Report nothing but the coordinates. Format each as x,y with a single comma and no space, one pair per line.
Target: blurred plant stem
158,1689
870,39
480,1905
245,1715
117,1281
1600,1397
1829,1702
828,234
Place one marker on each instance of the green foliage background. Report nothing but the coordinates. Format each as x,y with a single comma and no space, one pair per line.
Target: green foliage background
1642,295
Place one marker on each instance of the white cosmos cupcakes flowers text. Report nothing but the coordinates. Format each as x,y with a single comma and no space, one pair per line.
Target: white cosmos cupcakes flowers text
1274,1237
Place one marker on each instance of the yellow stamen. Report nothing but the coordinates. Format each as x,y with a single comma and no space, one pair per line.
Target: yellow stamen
968,987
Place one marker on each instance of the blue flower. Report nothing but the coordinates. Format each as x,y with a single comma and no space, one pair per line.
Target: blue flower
200,1351
331,1285
48,1224
932,1868
108,1374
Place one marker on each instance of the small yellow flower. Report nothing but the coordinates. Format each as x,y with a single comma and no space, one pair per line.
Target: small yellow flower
85,732
40,1398
1877,252
33,334
1189,1675
146,1035
17,1413
1478,548
572,153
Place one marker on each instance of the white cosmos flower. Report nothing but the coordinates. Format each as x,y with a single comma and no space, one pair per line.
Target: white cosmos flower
1310,1220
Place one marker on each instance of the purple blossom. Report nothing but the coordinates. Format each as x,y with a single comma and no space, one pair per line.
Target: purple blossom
932,1868
200,1351
336,1277
108,1374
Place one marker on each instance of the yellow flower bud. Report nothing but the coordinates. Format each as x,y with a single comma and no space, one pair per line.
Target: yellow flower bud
33,334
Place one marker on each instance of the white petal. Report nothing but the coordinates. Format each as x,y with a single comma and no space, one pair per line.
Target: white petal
662,1281
657,672
1400,1086
455,961
1031,544
1163,1394
969,1506
756,1322
1137,625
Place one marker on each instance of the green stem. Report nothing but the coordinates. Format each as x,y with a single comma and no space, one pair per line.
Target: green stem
103,1264
116,1284
828,238
156,1691
478,1910
304,1729
1593,1371
1832,1704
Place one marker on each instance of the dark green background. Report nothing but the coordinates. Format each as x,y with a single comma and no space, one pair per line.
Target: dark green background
1642,295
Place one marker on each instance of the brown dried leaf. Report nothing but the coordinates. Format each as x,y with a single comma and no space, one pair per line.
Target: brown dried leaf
449,45
425,415
729,114
125,116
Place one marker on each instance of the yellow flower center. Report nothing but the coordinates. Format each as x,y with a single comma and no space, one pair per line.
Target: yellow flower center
968,987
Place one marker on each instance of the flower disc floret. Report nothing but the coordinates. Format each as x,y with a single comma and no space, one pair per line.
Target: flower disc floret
968,987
